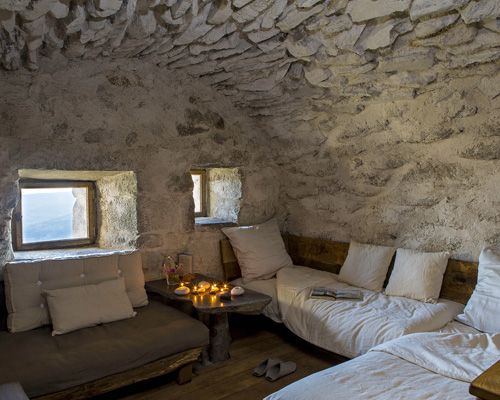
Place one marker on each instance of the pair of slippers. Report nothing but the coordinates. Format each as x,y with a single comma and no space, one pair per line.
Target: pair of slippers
274,369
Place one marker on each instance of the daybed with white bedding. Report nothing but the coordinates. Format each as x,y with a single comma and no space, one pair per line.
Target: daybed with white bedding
352,328
346,328
435,365
418,366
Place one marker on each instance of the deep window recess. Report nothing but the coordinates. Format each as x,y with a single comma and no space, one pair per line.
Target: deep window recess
54,214
199,192
216,194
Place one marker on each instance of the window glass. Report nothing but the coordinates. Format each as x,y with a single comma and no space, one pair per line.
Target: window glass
54,214
199,177
197,193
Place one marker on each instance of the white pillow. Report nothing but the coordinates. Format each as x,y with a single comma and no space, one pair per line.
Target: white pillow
483,308
259,249
417,275
366,266
84,306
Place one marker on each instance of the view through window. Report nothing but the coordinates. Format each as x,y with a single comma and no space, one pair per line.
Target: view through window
48,214
54,214
199,192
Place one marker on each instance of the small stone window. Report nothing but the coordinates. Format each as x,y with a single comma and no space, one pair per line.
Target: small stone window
53,214
216,194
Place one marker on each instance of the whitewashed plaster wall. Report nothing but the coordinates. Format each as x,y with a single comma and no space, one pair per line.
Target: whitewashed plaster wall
133,117
422,172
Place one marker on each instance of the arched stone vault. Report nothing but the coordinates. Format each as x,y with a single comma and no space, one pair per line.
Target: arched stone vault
274,57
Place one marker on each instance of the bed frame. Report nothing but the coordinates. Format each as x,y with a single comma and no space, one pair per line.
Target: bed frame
458,284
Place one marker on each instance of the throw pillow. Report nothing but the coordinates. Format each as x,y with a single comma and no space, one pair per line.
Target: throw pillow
417,275
260,250
84,306
366,266
483,308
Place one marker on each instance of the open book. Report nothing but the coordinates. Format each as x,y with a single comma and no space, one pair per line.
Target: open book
335,294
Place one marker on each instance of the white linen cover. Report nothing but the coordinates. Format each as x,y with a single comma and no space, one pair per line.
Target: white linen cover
266,286
458,356
382,375
352,328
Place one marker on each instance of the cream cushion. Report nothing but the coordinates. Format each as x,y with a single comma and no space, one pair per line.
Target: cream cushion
84,306
417,275
260,250
25,282
366,266
483,308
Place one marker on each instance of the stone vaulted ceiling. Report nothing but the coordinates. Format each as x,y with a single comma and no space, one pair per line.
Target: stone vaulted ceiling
298,58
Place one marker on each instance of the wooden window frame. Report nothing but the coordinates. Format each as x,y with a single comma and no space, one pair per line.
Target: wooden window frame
204,191
17,223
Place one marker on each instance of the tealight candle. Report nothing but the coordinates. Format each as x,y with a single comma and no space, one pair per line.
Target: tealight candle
214,289
181,290
195,290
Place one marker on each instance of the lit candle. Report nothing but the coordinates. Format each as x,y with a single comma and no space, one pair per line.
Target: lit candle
214,289
195,290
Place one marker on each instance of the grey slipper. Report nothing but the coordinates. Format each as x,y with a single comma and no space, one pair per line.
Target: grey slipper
264,366
279,370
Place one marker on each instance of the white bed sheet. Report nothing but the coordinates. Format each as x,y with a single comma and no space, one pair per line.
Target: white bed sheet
266,286
419,366
376,376
352,328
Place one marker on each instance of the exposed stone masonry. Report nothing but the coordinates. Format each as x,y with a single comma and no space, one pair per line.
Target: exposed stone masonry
371,120
255,50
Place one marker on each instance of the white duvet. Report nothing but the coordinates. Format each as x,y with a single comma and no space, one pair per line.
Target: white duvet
352,328
420,366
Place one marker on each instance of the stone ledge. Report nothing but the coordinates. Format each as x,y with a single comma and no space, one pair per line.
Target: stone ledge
27,256
211,224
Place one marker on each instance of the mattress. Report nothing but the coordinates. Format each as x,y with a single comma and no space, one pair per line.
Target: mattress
352,328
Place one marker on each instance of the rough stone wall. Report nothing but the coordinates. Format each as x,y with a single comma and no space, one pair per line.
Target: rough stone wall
421,173
117,219
383,112
130,117
224,193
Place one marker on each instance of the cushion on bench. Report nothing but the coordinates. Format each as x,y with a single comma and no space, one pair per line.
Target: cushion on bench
25,282
45,364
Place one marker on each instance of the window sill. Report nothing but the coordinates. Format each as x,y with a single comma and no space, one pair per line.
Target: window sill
211,224
40,255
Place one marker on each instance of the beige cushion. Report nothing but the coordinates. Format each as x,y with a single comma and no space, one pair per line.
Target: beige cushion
84,306
25,282
366,266
417,275
259,249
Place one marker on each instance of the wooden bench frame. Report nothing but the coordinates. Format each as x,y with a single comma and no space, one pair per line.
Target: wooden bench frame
182,362
458,283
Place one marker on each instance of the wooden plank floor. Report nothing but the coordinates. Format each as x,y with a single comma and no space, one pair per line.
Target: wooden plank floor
255,338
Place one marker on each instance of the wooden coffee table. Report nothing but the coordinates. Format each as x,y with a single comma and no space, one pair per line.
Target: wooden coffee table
213,312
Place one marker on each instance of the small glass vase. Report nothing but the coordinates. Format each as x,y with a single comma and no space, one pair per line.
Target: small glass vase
173,279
